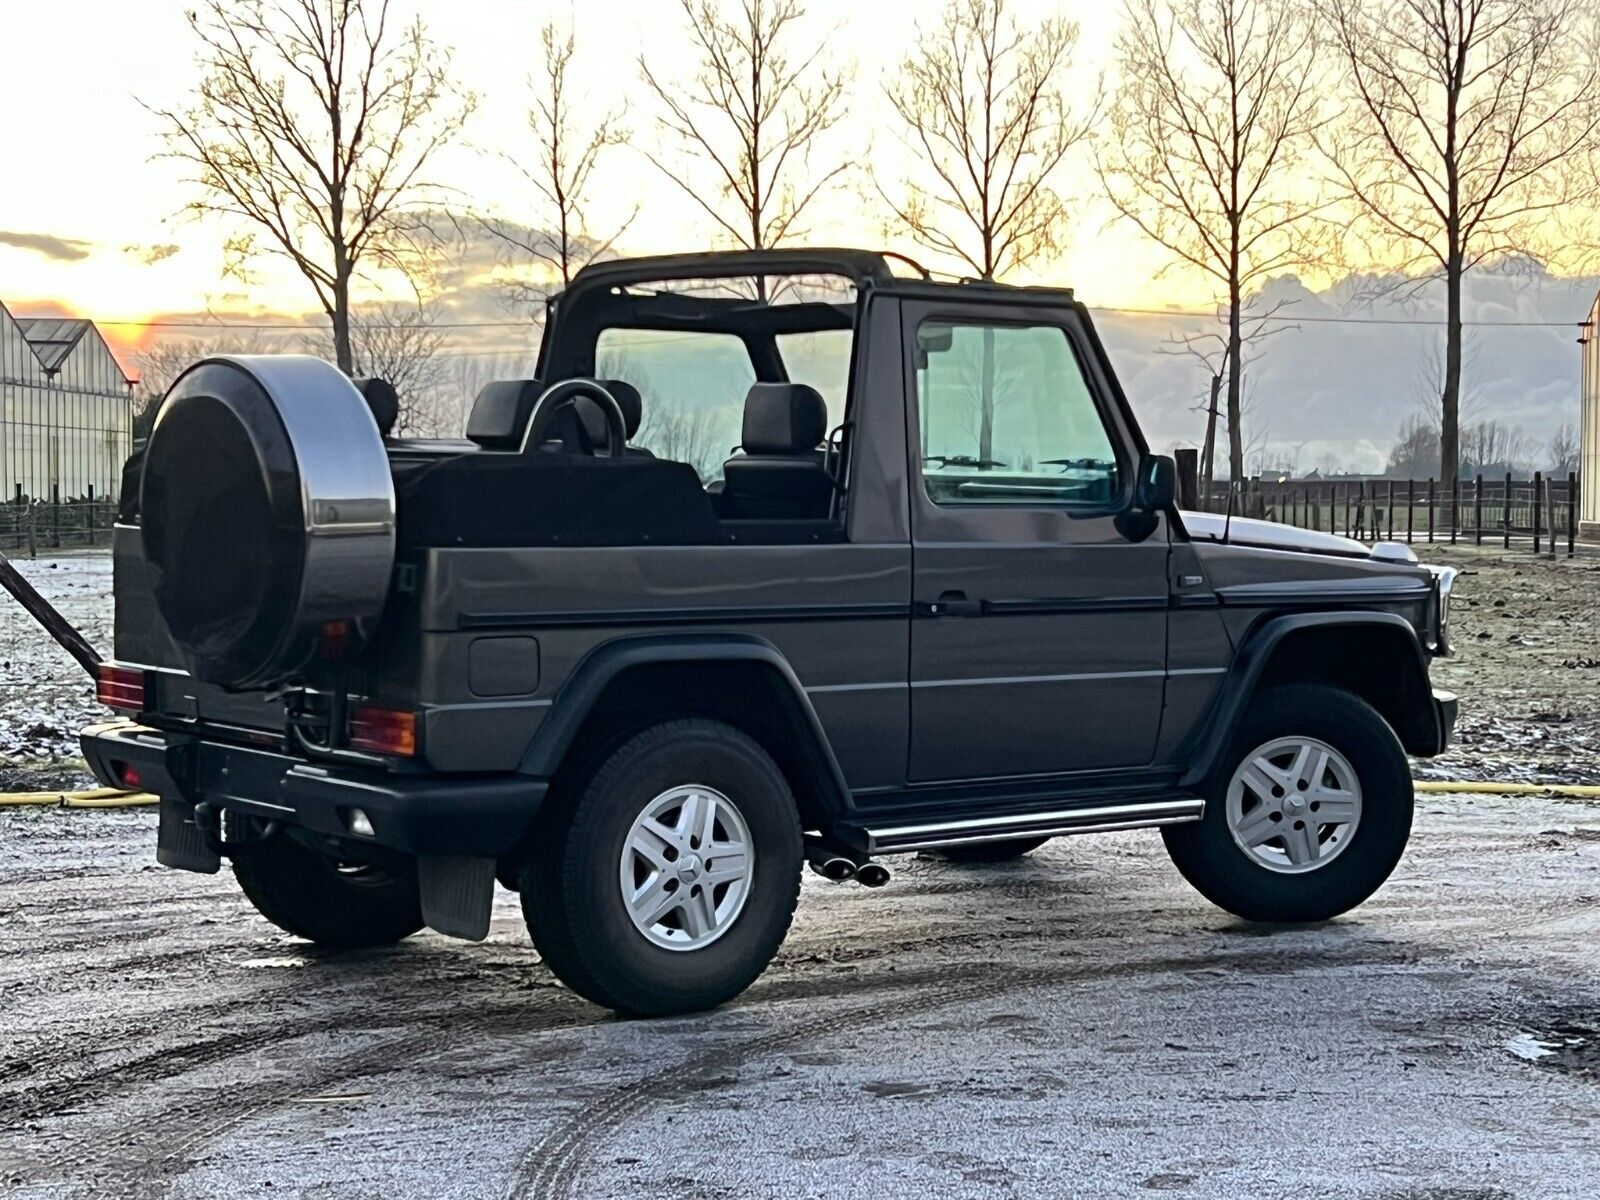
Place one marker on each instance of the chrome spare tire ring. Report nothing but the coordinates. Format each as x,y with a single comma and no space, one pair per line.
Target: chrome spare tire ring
687,866
1294,804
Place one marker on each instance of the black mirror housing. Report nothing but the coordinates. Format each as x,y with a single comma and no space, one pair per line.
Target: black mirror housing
1158,483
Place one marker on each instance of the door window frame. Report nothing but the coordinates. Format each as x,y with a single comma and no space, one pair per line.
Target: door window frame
1027,521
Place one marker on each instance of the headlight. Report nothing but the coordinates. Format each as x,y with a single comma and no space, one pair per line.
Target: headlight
1444,578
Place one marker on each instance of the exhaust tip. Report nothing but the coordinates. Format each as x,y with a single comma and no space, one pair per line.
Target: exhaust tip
872,875
834,867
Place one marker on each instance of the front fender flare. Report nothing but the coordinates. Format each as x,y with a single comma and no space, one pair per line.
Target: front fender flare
1256,652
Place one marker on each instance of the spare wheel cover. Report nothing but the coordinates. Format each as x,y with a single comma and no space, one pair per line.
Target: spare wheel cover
268,514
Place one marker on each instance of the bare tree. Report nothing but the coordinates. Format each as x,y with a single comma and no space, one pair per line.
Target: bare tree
401,343
1214,111
753,111
311,128
984,117
1469,118
1563,451
558,242
161,362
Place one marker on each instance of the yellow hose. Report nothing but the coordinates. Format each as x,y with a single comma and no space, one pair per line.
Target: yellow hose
1576,791
93,798
114,798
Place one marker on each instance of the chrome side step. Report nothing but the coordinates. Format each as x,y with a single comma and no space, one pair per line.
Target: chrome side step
926,835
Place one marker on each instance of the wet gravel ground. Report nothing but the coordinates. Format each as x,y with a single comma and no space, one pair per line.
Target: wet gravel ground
1075,1023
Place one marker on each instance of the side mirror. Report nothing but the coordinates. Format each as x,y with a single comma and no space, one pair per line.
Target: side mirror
1158,483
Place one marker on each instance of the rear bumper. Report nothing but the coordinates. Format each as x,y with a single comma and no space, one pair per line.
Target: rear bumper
474,816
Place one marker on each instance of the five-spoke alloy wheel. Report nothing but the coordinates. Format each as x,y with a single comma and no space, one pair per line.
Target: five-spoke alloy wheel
686,867
1294,804
1307,813
664,880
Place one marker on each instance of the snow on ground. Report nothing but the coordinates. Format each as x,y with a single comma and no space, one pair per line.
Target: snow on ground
45,697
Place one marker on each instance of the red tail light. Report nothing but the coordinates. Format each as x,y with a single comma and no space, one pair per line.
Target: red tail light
381,730
119,687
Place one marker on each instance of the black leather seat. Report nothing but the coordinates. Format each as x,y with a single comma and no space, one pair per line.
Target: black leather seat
782,474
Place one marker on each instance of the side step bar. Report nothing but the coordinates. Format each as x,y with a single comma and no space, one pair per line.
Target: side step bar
926,835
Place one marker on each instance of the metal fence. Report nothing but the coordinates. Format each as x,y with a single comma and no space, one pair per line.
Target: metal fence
32,526
1480,511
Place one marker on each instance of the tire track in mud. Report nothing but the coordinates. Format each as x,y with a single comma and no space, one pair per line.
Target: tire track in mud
549,1169
112,1156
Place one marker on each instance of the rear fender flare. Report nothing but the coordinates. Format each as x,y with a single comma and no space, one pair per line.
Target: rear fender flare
578,695
1257,651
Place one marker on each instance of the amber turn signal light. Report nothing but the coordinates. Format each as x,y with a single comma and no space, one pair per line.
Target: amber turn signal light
379,730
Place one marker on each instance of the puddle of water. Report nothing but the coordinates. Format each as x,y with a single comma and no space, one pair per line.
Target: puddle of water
285,960
1565,1049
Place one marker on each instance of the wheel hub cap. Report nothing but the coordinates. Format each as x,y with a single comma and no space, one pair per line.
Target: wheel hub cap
1294,804
687,865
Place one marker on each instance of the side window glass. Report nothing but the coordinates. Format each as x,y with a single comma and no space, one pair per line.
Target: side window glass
1007,418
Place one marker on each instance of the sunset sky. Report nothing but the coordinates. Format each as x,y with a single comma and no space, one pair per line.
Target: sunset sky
87,210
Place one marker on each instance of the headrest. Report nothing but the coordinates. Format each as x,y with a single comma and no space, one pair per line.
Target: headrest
783,418
500,414
629,401
383,400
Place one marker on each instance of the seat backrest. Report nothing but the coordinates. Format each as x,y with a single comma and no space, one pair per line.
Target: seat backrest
500,414
782,474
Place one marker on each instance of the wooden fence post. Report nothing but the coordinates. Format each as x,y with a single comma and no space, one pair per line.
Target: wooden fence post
1505,512
1455,507
1411,516
1431,498
1477,510
1538,512
1572,512
1388,502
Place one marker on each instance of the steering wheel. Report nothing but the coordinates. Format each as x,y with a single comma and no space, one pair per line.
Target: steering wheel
563,397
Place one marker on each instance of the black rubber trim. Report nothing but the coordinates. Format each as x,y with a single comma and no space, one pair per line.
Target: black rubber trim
682,616
1357,591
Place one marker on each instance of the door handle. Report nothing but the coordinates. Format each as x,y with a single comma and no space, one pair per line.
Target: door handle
954,604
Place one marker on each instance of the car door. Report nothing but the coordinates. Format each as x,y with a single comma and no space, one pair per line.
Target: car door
1039,628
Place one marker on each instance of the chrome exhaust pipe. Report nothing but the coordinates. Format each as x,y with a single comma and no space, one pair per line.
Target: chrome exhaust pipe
872,875
833,867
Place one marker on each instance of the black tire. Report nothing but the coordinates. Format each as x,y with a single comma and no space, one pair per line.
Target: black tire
574,905
1231,878
344,906
990,852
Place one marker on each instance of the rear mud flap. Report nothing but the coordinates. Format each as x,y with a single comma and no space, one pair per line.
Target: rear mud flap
183,844
457,894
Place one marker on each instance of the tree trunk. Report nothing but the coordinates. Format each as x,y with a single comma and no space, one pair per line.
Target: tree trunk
342,353
1208,454
986,413
1450,396
1235,383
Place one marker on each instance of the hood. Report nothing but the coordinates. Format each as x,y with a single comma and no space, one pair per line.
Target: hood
1270,535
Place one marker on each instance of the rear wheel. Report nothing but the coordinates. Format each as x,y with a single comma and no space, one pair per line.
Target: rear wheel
333,902
991,852
668,882
1308,814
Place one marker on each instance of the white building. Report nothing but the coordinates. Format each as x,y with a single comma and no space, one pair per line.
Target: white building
1589,436
66,411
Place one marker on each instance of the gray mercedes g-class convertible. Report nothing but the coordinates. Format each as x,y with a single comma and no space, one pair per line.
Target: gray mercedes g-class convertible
936,596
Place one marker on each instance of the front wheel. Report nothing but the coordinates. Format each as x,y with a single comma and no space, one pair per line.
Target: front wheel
667,883
1308,813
